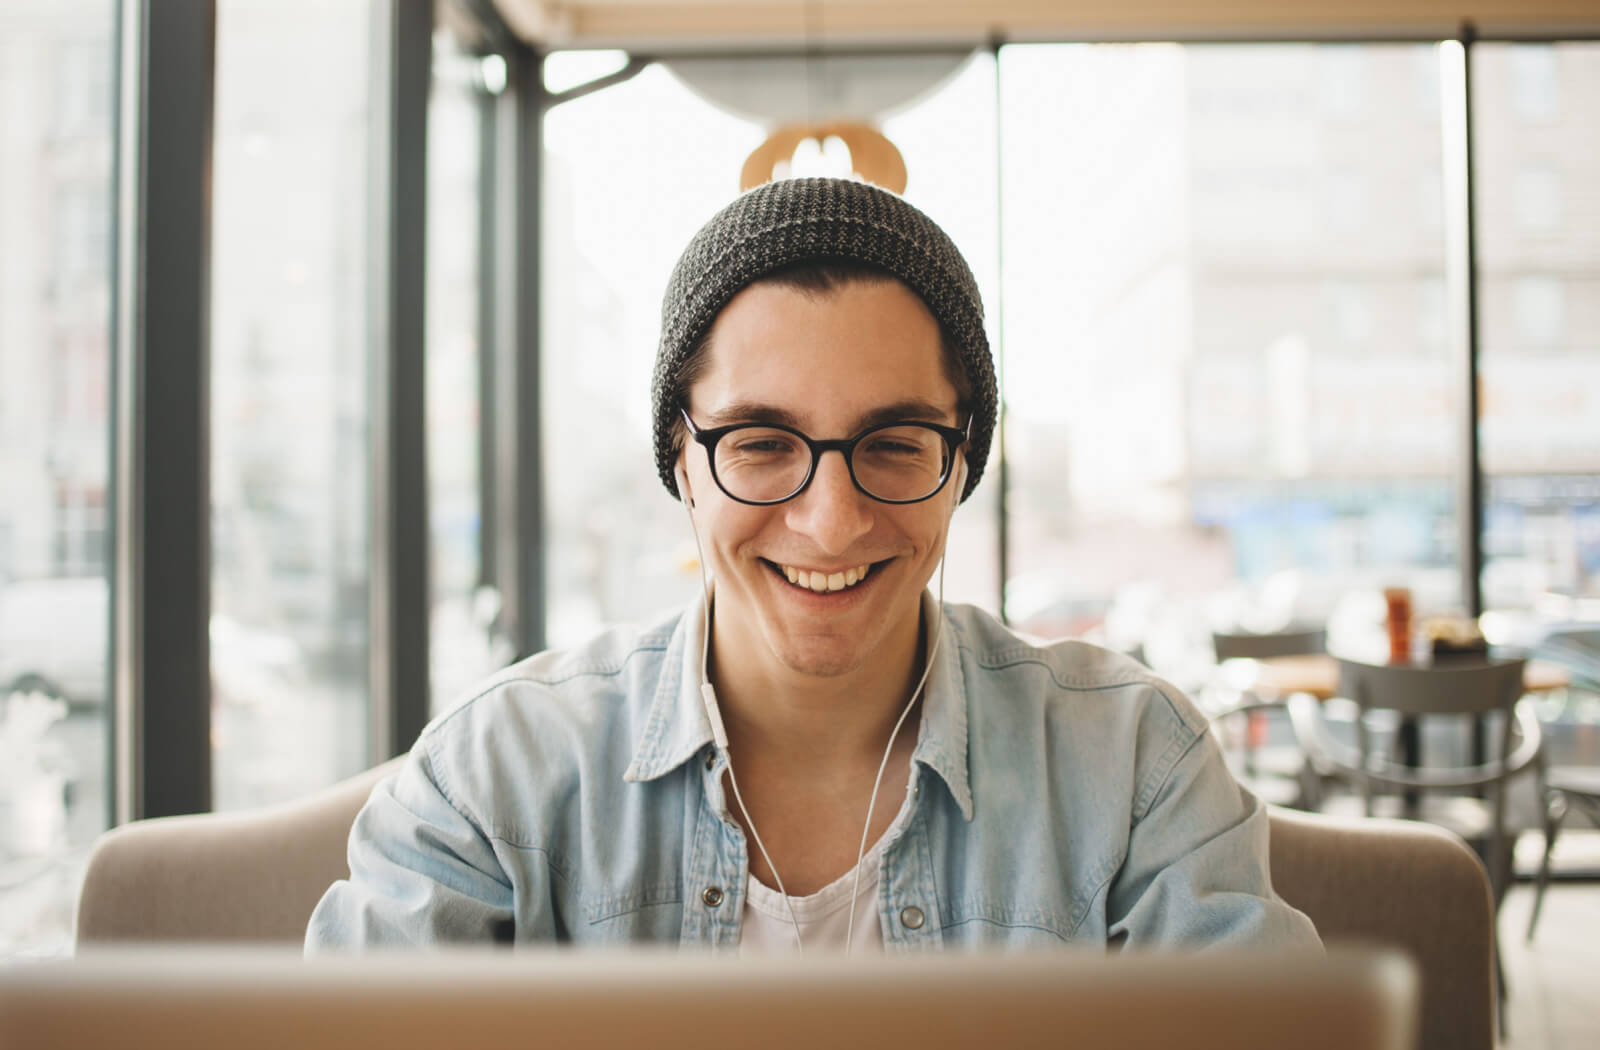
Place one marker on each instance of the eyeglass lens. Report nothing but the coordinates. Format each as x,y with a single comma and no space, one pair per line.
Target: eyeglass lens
892,463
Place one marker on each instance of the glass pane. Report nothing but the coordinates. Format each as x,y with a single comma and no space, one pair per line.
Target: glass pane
1536,108
1231,404
461,649
631,173
289,398
56,157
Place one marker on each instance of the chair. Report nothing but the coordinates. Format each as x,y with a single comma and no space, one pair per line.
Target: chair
1565,790
1279,775
1231,645
1468,691
257,877
1405,884
250,876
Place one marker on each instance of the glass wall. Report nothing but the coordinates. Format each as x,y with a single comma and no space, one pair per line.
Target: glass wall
1231,404
1538,207
462,650
619,547
289,389
56,163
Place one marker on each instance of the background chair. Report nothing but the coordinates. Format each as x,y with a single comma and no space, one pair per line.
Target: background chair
1277,774
1388,770
257,876
1565,790
1230,645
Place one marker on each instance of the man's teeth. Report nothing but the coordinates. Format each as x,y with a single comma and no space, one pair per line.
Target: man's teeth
822,582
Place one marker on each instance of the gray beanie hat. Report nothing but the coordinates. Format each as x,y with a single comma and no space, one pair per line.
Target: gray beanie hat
796,220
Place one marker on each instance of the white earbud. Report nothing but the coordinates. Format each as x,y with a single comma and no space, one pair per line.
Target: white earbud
960,482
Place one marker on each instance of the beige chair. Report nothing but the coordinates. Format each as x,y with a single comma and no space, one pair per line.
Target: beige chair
1404,883
257,876
250,876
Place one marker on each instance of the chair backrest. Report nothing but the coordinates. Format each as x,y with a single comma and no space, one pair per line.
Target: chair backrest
1231,646
1475,687
1406,884
251,876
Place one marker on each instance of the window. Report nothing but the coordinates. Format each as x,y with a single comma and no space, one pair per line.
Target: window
1535,84
1432,327
1536,197
55,443
1342,83
461,647
1217,402
1351,309
1540,352
1538,303
289,381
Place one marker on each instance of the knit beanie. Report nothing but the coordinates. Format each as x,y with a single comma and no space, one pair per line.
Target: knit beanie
797,220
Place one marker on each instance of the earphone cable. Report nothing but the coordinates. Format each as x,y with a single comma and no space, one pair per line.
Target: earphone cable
866,828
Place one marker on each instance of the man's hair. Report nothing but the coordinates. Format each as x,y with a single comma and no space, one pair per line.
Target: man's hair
819,279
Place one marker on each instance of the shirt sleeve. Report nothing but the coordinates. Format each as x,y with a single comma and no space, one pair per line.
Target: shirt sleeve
1197,872
421,872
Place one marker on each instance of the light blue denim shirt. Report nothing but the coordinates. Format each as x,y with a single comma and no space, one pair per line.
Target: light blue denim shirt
1059,794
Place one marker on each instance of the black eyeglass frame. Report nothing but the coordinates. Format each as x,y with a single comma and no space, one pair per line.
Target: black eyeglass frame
953,437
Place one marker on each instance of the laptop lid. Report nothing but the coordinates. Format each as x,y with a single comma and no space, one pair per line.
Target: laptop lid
149,999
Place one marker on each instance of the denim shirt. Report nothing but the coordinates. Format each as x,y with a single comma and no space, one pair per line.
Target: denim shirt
1059,794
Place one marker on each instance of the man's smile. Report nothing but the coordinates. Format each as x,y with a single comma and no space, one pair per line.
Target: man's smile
822,581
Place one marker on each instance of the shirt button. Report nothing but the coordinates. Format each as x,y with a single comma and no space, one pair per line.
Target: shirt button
713,896
912,918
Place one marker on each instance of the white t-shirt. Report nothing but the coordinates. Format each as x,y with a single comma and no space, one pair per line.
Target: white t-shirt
824,916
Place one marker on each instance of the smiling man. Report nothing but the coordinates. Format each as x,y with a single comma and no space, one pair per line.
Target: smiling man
820,753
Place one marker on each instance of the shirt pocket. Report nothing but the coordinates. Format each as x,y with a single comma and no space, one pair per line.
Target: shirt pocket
641,915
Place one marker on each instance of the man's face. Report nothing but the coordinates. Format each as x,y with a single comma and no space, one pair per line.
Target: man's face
829,365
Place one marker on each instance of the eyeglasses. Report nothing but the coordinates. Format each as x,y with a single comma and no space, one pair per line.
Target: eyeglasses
766,463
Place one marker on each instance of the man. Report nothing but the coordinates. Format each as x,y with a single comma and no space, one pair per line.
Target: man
818,754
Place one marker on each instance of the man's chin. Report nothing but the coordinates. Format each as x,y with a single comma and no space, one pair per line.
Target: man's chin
819,658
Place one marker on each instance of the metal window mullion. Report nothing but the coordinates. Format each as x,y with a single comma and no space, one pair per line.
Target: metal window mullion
488,495
161,571
1002,503
398,575
519,527
1472,437
1461,286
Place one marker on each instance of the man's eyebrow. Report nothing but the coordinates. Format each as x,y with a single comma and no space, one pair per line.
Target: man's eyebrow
762,412
751,412
914,409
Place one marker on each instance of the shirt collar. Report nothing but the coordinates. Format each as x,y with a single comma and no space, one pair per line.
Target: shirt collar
676,728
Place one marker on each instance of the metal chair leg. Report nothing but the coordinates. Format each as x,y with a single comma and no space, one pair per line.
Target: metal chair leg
1555,810
1501,993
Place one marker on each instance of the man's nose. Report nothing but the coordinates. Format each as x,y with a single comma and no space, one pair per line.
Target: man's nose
831,512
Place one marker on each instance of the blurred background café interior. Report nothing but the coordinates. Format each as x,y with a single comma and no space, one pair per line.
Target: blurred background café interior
326,333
